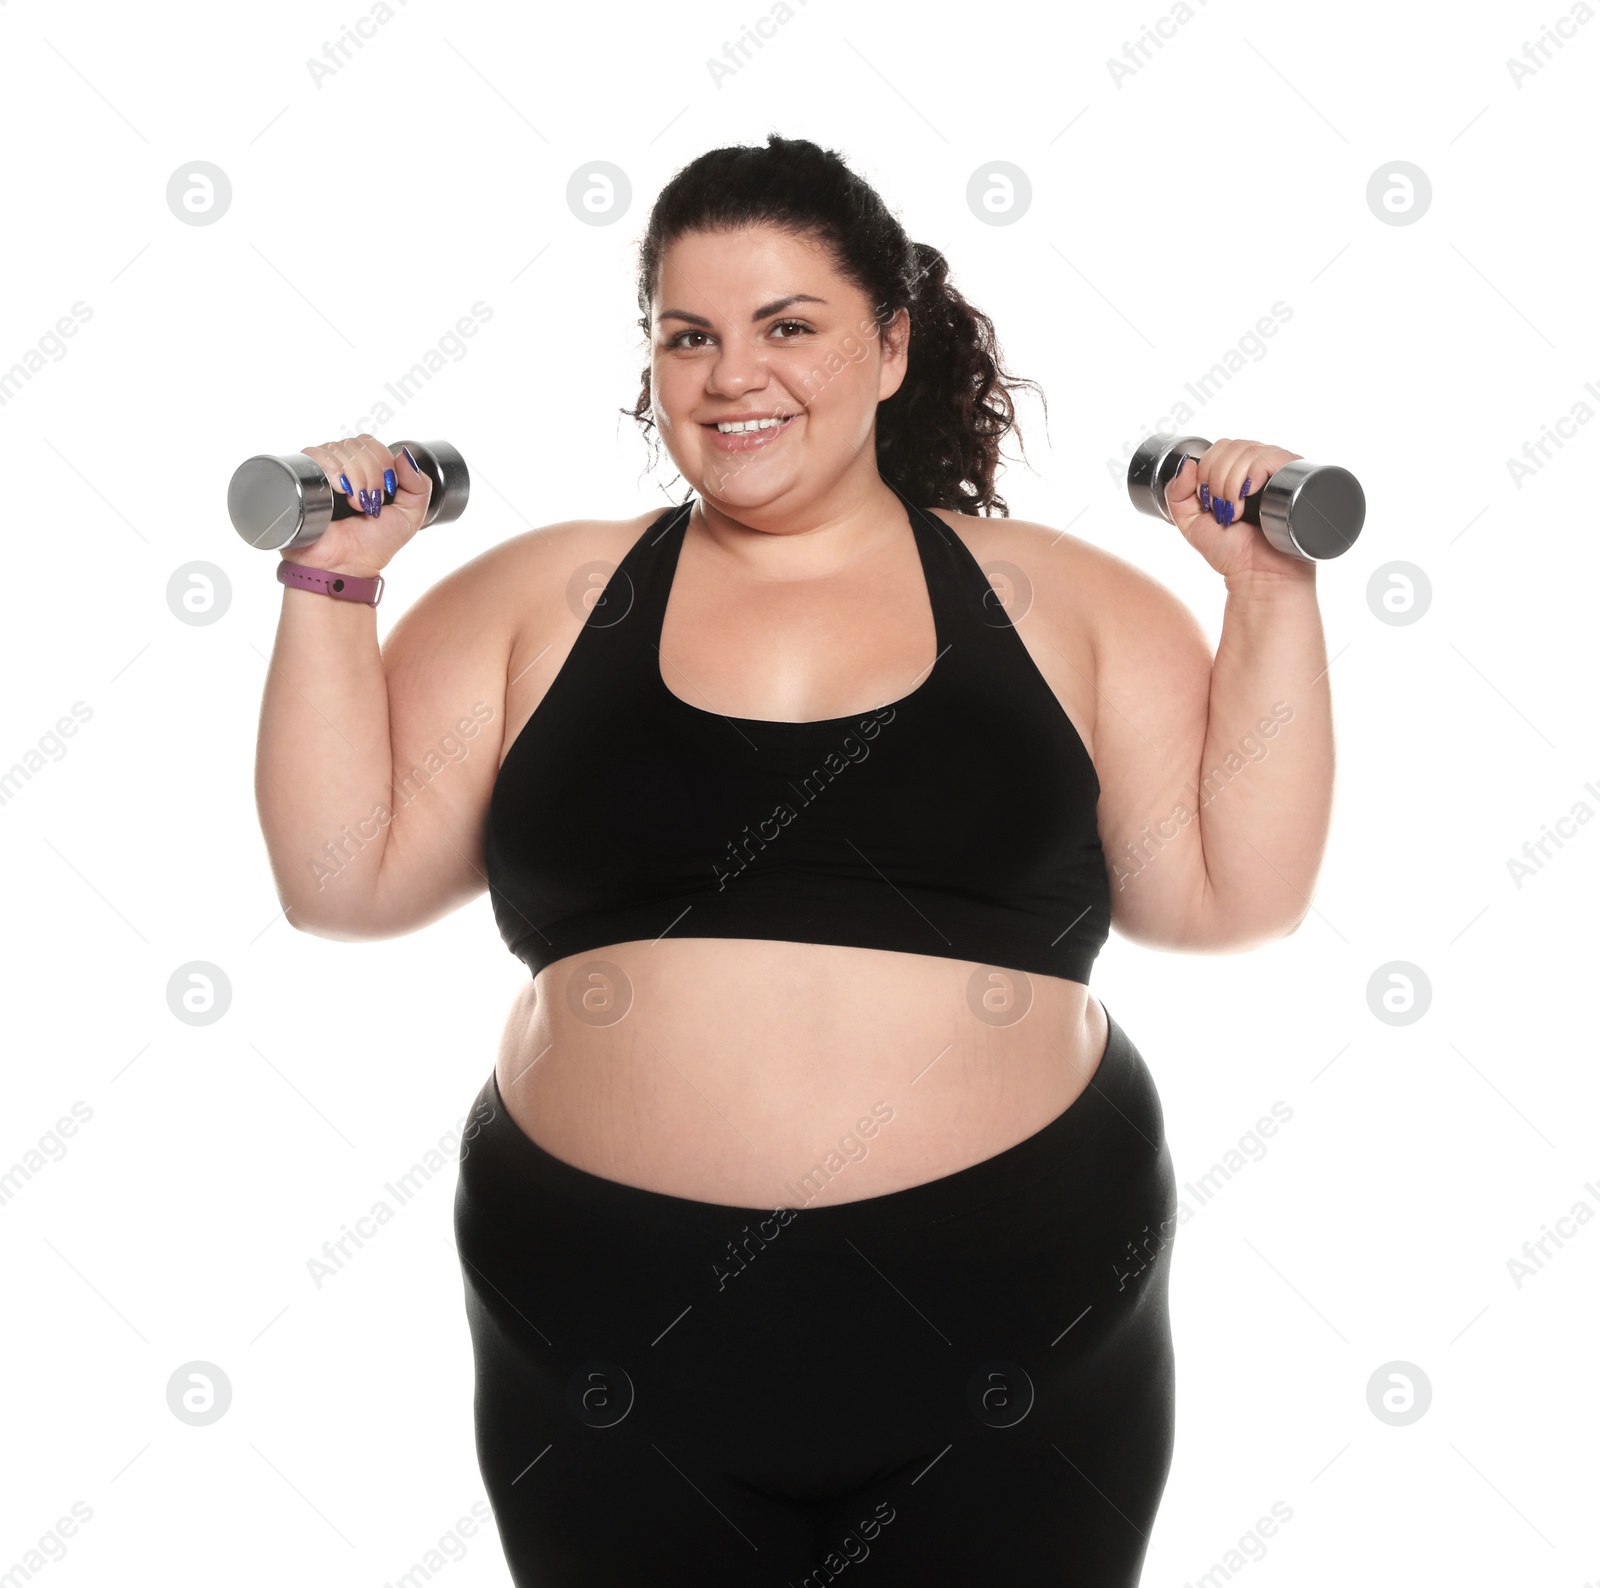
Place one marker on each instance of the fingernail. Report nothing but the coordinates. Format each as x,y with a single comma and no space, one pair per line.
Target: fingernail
1216,508
1244,490
1227,511
1205,497
411,460
361,497
344,480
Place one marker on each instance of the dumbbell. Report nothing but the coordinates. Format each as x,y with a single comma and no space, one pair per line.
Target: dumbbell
1306,510
282,502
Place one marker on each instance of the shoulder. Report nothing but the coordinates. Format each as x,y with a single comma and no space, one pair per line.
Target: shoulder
1071,586
573,541
535,591
529,578
520,600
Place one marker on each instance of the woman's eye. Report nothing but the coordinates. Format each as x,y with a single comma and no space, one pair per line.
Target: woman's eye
798,325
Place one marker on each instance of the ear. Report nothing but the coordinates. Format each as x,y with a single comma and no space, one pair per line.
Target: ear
894,344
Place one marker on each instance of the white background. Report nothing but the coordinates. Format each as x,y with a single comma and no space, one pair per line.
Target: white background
1169,212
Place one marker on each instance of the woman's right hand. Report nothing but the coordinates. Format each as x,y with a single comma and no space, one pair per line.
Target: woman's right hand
362,546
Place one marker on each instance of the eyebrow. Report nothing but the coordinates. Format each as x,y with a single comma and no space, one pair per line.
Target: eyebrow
765,312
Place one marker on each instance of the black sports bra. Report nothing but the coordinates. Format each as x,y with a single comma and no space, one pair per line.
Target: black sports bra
958,821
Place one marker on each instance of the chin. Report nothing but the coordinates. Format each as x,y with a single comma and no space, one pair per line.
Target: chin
745,488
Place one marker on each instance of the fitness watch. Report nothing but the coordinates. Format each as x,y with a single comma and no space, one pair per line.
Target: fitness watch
341,586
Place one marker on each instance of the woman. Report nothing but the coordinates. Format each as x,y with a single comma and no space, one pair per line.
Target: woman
814,1210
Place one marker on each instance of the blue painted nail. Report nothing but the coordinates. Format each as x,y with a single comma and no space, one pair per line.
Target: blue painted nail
1205,497
388,481
1227,505
409,459
344,480
1216,508
1244,490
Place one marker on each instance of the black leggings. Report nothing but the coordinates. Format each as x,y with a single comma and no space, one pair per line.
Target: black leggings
966,1381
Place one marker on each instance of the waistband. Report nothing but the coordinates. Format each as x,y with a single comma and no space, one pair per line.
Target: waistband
1121,1088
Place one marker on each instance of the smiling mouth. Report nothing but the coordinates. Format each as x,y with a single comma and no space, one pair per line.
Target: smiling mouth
748,440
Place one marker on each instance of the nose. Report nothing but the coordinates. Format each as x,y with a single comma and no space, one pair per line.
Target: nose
740,366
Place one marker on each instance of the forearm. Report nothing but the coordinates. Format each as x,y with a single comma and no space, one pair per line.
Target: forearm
1266,777
323,761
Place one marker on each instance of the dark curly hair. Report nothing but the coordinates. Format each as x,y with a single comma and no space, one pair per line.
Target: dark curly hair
938,436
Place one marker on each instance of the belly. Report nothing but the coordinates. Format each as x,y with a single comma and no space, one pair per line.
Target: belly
768,1074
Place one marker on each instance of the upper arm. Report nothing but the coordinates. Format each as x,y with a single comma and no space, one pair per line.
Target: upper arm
1152,692
445,663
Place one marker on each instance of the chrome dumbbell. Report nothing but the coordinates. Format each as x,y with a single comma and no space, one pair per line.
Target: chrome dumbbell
1308,510
281,502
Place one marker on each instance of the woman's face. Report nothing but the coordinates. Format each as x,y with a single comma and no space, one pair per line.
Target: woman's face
757,323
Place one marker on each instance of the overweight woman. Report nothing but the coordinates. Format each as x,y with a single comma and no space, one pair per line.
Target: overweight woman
815,1214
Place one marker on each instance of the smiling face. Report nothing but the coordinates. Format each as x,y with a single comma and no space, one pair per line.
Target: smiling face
758,324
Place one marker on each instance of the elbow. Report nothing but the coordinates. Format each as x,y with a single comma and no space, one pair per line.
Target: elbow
341,905
320,918
1238,933
335,928
1296,923
1238,940
1245,939
1241,937
305,914
1205,921
305,918
1220,925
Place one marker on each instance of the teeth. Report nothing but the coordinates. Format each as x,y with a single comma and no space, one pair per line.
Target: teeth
737,426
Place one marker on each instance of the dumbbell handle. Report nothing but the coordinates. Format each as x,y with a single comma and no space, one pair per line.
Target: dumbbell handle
281,502
1308,510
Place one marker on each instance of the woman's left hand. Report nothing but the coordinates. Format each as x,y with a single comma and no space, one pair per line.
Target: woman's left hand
1201,495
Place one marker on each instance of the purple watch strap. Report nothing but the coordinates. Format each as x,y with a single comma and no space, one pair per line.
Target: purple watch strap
342,586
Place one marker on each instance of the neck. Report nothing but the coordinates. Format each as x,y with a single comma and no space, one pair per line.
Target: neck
818,539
